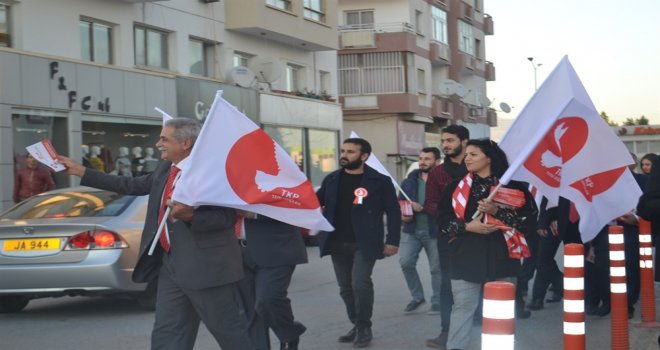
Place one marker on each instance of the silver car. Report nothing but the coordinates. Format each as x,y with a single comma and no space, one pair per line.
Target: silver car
73,241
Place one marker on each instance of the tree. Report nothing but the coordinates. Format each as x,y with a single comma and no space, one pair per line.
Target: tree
642,121
629,122
607,119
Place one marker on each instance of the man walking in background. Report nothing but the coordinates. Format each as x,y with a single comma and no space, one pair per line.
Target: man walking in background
420,231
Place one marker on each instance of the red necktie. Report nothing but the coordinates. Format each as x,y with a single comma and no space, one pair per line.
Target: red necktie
573,215
167,194
238,225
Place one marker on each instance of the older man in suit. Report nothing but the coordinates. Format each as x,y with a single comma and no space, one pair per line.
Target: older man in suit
271,251
198,260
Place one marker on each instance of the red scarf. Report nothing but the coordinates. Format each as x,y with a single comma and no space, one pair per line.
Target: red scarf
515,241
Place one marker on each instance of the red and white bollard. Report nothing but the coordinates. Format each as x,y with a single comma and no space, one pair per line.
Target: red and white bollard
574,329
499,316
618,291
647,285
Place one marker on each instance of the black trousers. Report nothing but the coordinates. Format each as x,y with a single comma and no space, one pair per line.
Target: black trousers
547,271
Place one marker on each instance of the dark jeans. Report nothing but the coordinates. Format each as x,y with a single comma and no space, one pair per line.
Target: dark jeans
547,271
446,296
353,272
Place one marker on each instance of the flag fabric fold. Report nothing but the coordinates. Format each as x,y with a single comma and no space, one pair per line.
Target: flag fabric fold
373,162
572,152
235,164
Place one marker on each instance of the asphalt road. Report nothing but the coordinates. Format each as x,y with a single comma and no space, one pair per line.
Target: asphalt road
110,323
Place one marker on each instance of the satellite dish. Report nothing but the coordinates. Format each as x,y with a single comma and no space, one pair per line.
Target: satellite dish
485,101
505,107
267,69
447,87
461,91
241,76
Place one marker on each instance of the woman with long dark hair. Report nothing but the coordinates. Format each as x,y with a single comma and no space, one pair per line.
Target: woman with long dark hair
490,246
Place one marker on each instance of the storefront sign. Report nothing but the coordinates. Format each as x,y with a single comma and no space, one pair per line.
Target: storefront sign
87,103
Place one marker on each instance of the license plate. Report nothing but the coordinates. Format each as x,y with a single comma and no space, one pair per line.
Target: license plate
18,245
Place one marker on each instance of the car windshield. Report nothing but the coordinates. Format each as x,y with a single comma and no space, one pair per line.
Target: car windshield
70,204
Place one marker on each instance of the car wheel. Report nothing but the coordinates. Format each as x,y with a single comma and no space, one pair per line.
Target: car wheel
147,299
13,303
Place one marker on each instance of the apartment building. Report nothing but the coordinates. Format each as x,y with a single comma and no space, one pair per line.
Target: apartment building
407,68
87,74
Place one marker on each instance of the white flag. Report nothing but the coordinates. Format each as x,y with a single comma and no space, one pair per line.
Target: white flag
561,145
235,164
166,116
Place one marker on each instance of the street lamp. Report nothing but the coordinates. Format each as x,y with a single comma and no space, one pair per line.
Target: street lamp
534,65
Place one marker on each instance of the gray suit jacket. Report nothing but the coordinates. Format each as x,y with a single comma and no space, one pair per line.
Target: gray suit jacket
204,251
273,243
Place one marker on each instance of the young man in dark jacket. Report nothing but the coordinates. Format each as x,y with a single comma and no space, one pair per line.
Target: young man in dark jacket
354,200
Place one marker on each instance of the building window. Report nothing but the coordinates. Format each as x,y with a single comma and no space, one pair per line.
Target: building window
201,57
4,26
371,73
477,49
293,77
421,81
240,59
360,19
465,38
439,25
418,22
280,4
314,10
95,41
150,47
326,85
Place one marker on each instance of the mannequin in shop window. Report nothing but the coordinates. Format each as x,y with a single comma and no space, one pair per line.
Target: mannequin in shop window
138,161
123,163
150,162
95,160
85,156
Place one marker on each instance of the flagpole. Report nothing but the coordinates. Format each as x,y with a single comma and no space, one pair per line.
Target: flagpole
159,231
490,196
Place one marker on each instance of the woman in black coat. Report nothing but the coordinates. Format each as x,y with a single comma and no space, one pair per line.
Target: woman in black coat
479,251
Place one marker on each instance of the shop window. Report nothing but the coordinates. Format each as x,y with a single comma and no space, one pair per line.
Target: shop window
291,140
4,26
95,41
150,47
32,126
119,148
201,57
323,145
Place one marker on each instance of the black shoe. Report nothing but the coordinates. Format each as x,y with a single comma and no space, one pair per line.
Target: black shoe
413,305
439,342
363,337
290,345
604,310
535,304
523,314
556,297
348,337
631,312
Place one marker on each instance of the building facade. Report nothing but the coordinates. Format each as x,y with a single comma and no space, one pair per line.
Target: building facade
407,68
87,74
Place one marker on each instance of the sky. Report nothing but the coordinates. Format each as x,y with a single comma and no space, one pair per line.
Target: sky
614,47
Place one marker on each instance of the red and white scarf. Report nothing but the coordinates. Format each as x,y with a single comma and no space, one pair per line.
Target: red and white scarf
515,241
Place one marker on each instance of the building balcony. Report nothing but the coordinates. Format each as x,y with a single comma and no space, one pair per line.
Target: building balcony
290,27
467,11
375,35
442,107
490,71
489,27
440,53
491,117
468,63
